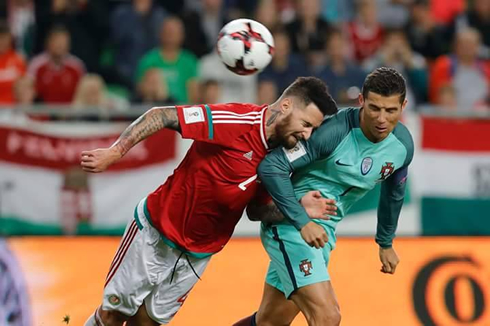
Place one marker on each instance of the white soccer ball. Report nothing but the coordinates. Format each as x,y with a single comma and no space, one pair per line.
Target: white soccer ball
245,46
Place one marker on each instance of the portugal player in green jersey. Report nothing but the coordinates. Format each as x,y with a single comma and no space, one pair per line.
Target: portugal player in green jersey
345,158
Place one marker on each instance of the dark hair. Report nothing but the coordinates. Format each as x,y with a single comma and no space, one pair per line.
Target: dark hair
312,89
56,30
385,82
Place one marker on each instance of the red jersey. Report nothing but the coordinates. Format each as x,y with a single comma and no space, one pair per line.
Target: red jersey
56,83
198,206
12,67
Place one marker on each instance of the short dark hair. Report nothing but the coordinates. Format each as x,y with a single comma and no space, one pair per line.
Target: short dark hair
385,82
312,89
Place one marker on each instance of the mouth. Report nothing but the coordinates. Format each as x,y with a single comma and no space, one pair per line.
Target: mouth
381,129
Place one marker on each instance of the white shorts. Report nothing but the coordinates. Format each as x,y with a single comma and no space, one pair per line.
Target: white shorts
145,269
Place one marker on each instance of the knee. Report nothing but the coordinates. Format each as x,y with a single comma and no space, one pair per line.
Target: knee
274,318
324,317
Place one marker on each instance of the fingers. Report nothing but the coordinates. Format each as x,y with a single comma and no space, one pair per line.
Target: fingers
317,194
87,153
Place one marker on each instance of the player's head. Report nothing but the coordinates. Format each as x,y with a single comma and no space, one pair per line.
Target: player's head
382,101
302,107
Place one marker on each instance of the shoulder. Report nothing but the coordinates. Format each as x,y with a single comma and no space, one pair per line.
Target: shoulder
334,128
188,56
237,108
404,136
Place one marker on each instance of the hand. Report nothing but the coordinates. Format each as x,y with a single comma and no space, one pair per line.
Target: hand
318,207
314,235
99,160
389,260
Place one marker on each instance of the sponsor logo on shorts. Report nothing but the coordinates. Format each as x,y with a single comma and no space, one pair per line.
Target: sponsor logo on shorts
305,266
114,299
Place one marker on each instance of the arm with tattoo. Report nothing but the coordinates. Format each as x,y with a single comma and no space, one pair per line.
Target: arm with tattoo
146,125
265,213
156,119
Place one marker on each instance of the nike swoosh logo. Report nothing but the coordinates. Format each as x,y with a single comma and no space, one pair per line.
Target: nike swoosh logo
342,164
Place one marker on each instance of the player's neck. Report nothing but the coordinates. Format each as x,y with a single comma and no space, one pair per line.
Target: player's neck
271,115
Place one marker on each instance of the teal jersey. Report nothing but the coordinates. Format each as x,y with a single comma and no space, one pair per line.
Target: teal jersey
340,162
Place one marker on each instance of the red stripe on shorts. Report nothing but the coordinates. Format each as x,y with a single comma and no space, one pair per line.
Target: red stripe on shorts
124,249
125,238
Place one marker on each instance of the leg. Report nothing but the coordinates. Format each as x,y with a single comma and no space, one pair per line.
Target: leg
275,309
141,318
318,303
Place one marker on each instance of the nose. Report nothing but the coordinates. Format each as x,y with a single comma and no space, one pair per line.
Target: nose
307,133
382,117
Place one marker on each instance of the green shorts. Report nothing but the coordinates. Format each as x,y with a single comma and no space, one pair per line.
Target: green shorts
294,263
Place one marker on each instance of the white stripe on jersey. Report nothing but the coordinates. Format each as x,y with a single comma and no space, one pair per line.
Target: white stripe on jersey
235,114
237,121
233,117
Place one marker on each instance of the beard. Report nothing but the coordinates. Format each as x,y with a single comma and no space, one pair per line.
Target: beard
283,137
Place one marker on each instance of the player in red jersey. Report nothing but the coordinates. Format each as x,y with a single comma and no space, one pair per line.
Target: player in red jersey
176,229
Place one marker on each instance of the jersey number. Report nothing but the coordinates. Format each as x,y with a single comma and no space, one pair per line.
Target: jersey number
245,183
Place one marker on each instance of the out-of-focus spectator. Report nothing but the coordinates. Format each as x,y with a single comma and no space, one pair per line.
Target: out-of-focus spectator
447,99
91,93
309,30
134,31
366,34
393,13
426,36
86,20
396,53
153,89
25,91
202,26
343,77
210,91
179,66
338,11
56,72
267,13
267,92
234,88
21,20
463,70
478,17
12,65
285,66
445,11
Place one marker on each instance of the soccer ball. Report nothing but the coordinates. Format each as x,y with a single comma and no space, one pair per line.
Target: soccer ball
245,46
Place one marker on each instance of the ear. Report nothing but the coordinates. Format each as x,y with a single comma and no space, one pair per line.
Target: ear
404,104
286,105
361,100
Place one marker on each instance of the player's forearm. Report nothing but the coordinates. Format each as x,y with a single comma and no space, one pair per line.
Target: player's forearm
146,125
265,213
389,208
274,173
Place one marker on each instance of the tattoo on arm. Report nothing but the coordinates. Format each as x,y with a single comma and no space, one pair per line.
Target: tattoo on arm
146,125
266,213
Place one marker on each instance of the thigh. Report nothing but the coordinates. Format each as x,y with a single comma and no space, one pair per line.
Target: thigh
297,264
275,309
174,286
316,297
141,318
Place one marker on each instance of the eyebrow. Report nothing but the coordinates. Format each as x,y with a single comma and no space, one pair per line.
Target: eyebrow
379,108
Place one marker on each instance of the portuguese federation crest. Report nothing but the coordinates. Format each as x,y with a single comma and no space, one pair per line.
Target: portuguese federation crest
366,165
386,170
305,266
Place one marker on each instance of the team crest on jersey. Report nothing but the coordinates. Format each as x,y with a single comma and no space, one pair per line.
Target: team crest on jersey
366,165
305,266
386,170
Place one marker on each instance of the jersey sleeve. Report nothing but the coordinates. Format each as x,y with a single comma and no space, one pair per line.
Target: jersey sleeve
275,170
216,123
392,196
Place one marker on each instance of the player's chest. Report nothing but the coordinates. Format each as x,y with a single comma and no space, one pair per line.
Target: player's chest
364,166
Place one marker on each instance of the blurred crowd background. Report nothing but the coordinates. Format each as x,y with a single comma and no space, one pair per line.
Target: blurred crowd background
113,54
